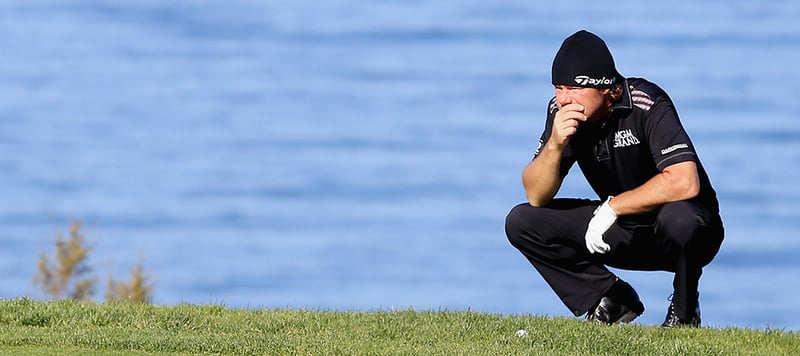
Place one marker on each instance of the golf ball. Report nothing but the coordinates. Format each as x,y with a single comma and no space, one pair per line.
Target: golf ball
521,333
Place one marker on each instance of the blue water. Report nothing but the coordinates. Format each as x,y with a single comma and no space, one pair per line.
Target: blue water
363,154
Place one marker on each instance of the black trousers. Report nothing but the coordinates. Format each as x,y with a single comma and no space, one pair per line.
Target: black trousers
682,237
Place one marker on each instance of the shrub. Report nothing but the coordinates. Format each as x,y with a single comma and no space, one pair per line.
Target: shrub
66,275
137,290
63,276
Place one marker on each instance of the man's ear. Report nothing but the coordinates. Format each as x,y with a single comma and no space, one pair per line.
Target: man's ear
615,93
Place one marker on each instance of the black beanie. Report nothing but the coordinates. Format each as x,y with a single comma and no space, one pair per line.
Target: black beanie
584,61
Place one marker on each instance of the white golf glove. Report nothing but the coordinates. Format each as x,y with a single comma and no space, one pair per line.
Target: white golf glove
603,218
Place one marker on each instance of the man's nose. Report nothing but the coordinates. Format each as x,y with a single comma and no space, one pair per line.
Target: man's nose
563,98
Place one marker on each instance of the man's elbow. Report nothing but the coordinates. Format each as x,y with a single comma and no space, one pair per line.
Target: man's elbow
692,189
688,188
537,202
683,179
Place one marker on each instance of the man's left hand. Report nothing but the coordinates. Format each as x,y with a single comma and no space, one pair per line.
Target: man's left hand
602,220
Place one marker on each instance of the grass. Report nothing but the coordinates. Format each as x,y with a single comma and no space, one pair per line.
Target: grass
29,327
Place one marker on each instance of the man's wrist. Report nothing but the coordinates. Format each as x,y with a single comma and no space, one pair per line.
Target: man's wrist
553,145
610,208
605,209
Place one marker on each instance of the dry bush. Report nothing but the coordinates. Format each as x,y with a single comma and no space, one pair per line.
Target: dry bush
64,275
137,290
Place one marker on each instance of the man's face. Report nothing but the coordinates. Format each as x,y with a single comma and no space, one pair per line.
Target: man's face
595,101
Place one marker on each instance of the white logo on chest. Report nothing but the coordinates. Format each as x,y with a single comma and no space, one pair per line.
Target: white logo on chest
625,138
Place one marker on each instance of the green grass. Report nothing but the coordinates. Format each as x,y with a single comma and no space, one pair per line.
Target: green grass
30,327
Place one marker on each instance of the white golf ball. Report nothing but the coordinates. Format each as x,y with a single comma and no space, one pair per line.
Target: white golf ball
521,333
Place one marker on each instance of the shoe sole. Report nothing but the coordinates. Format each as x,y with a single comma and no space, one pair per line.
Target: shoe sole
631,314
627,318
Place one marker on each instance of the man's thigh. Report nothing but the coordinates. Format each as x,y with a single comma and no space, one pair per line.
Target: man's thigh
562,220
648,247
637,248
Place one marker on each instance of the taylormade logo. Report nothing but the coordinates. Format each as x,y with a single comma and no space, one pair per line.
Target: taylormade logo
586,80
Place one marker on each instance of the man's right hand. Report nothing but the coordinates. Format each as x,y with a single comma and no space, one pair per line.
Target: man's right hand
566,122
542,177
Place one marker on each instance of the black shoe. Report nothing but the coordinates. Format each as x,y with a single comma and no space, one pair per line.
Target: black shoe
673,320
621,304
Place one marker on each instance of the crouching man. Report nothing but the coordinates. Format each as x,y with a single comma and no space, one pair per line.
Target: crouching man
656,210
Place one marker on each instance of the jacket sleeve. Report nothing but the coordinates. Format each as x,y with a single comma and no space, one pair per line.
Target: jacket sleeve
669,142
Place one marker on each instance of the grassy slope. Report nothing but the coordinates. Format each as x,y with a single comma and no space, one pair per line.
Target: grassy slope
33,328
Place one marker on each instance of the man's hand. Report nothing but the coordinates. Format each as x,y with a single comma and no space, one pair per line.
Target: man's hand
566,122
603,218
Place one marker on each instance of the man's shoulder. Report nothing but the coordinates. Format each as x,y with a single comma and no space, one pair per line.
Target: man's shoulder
644,93
645,86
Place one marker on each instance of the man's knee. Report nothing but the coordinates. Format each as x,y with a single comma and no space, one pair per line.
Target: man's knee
682,221
526,223
516,221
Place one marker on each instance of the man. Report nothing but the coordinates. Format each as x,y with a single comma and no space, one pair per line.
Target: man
657,209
